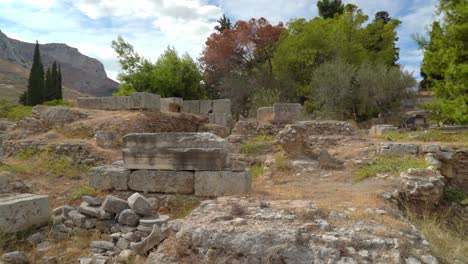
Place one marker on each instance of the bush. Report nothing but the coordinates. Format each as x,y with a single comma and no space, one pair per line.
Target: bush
81,191
392,165
456,196
19,112
256,170
5,107
256,145
60,102
281,162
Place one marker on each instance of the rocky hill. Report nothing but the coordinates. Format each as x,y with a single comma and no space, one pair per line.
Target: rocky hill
79,71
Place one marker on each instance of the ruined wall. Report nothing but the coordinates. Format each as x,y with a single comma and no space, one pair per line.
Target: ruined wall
137,101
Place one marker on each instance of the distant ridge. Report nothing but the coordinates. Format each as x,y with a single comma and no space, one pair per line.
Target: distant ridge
80,72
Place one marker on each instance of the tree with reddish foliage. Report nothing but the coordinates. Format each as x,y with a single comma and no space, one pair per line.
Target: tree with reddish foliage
242,52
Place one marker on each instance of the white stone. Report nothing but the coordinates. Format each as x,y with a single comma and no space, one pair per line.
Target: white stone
216,183
22,211
139,204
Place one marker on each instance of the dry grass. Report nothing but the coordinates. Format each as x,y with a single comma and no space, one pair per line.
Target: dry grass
181,206
459,139
392,165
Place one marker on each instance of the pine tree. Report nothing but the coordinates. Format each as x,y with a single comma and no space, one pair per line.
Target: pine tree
35,92
224,23
328,8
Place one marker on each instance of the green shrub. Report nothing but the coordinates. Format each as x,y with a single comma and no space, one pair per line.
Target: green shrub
5,107
19,112
256,170
81,191
60,102
256,145
429,136
281,162
456,196
392,165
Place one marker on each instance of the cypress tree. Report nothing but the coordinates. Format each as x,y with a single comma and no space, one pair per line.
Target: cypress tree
35,92
48,92
59,84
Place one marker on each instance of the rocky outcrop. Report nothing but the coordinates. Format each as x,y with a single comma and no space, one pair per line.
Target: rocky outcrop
79,71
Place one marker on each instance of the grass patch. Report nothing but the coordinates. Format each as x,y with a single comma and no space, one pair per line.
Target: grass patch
181,206
281,162
256,170
256,145
81,191
59,102
429,136
19,112
14,241
447,243
393,165
5,107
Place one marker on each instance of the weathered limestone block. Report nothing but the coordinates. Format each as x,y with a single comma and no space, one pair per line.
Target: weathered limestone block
398,149
22,211
139,204
180,182
116,103
137,101
114,204
378,130
107,139
149,141
108,178
265,115
4,180
287,113
172,104
422,188
89,102
216,183
206,107
221,119
222,106
144,101
185,106
194,106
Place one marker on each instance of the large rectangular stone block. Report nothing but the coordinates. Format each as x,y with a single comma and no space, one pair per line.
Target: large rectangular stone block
145,101
194,106
150,141
378,130
185,107
287,113
89,102
222,106
172,104
217,183
206,107
189,159
22,211
265,115
180,182
115,103
221,119
398,149
108,178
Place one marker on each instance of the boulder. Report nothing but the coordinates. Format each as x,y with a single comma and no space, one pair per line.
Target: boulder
114,204
139,204
422,188
217,183
15,257
109,178
180,182
128,217
398,149
20,212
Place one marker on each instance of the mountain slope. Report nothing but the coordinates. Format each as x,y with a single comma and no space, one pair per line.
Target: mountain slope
79,71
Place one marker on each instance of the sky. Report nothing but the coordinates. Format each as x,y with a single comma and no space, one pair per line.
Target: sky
151,25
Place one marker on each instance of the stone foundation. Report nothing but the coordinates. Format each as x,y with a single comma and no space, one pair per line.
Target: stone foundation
287,113
137,101
22,211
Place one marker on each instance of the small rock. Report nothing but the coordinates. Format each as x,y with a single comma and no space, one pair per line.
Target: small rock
91,200
124,256
123,243
101,244
154,220
428,259
139,204
114,204
89,223
15,257
412,260
87,209
77,218
36,238
239,221
43,247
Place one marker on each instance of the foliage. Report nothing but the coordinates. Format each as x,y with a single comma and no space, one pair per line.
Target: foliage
81,191
445,63
263,97
19,112
392,165
5,107
256,170
456,196
256,145
53,83
237,61
328,8
181,206
170,76
35,92
223,23
281,162
429,136
15,241
60,102
359,92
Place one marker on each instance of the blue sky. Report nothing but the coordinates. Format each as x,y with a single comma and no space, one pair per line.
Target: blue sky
152,25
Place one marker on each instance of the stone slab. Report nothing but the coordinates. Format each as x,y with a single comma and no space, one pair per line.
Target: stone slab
145,101
194,106
108,178
218,183
206,107
265,115
398,149
180,182
22,211
287,113
107,139
137,101
222,106
149,141
221,119
186,159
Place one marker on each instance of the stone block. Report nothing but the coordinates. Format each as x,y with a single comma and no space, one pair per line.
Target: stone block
4,180
222,106
145,101
398,149
188,159
180,182
378,130
89,103
150,141
194,106
107,139
185,107
108,178
221,119
172,104
218,183
114,204
287,113
22,211
206,107
115,103
265,115
139,204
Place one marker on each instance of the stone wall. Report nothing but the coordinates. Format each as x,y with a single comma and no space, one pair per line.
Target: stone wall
206,107
172,104
287,113
265,115
181,163
137,101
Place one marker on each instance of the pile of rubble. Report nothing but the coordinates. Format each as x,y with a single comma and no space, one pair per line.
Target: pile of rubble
181,163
